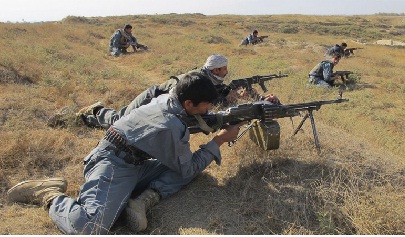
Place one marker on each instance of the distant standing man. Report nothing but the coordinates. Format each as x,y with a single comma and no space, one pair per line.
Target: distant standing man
252,39
322,74
122,39
337,50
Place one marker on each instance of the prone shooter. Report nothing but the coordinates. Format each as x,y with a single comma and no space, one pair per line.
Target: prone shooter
350,51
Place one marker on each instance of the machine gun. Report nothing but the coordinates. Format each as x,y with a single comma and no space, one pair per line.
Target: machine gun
261,116
247,83
349,51
344,75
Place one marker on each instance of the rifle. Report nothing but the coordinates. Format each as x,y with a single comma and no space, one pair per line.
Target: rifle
266,132
344,75
247,83
263,37
259,39
349,51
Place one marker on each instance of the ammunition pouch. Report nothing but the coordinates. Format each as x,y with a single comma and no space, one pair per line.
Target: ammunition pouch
131,155
266,134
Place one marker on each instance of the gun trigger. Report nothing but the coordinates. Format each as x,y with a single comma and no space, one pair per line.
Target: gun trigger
241,135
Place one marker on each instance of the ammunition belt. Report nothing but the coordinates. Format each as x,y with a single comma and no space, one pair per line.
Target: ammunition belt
118,144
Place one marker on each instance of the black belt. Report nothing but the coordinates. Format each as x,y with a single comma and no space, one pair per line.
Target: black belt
118,144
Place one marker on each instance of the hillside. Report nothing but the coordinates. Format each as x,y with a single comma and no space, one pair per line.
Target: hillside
356,184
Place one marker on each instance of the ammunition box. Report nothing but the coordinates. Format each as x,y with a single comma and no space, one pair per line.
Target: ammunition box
266,135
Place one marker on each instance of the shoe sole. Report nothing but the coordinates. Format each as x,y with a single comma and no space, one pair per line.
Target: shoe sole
86,110
43,181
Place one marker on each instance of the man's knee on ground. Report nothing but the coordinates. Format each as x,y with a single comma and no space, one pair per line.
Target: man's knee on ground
115,52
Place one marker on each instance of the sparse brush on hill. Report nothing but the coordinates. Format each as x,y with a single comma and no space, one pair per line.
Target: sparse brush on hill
354,186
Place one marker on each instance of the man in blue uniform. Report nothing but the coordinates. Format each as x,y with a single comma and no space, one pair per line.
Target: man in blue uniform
322,74
338,50
252,39
122,39
147,151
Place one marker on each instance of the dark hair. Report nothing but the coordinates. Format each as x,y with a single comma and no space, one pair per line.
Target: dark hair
344,44
195,87
255,32
127,26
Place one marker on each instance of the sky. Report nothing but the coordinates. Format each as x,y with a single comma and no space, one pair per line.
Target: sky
56,10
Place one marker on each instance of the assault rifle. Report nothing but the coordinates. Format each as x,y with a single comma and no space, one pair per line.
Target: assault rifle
247,83
261,115
344,75
259,39
262,37
349,51
136,46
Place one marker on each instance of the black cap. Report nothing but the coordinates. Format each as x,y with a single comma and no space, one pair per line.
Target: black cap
344,44
127,26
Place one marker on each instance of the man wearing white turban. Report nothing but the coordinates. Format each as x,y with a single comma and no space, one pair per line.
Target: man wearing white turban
215,68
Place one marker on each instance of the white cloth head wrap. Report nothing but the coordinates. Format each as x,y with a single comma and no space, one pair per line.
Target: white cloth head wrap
215,61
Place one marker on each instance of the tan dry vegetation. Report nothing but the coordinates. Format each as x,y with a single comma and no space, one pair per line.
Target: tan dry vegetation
355,186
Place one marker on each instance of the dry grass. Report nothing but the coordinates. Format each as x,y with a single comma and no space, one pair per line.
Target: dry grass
355,186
